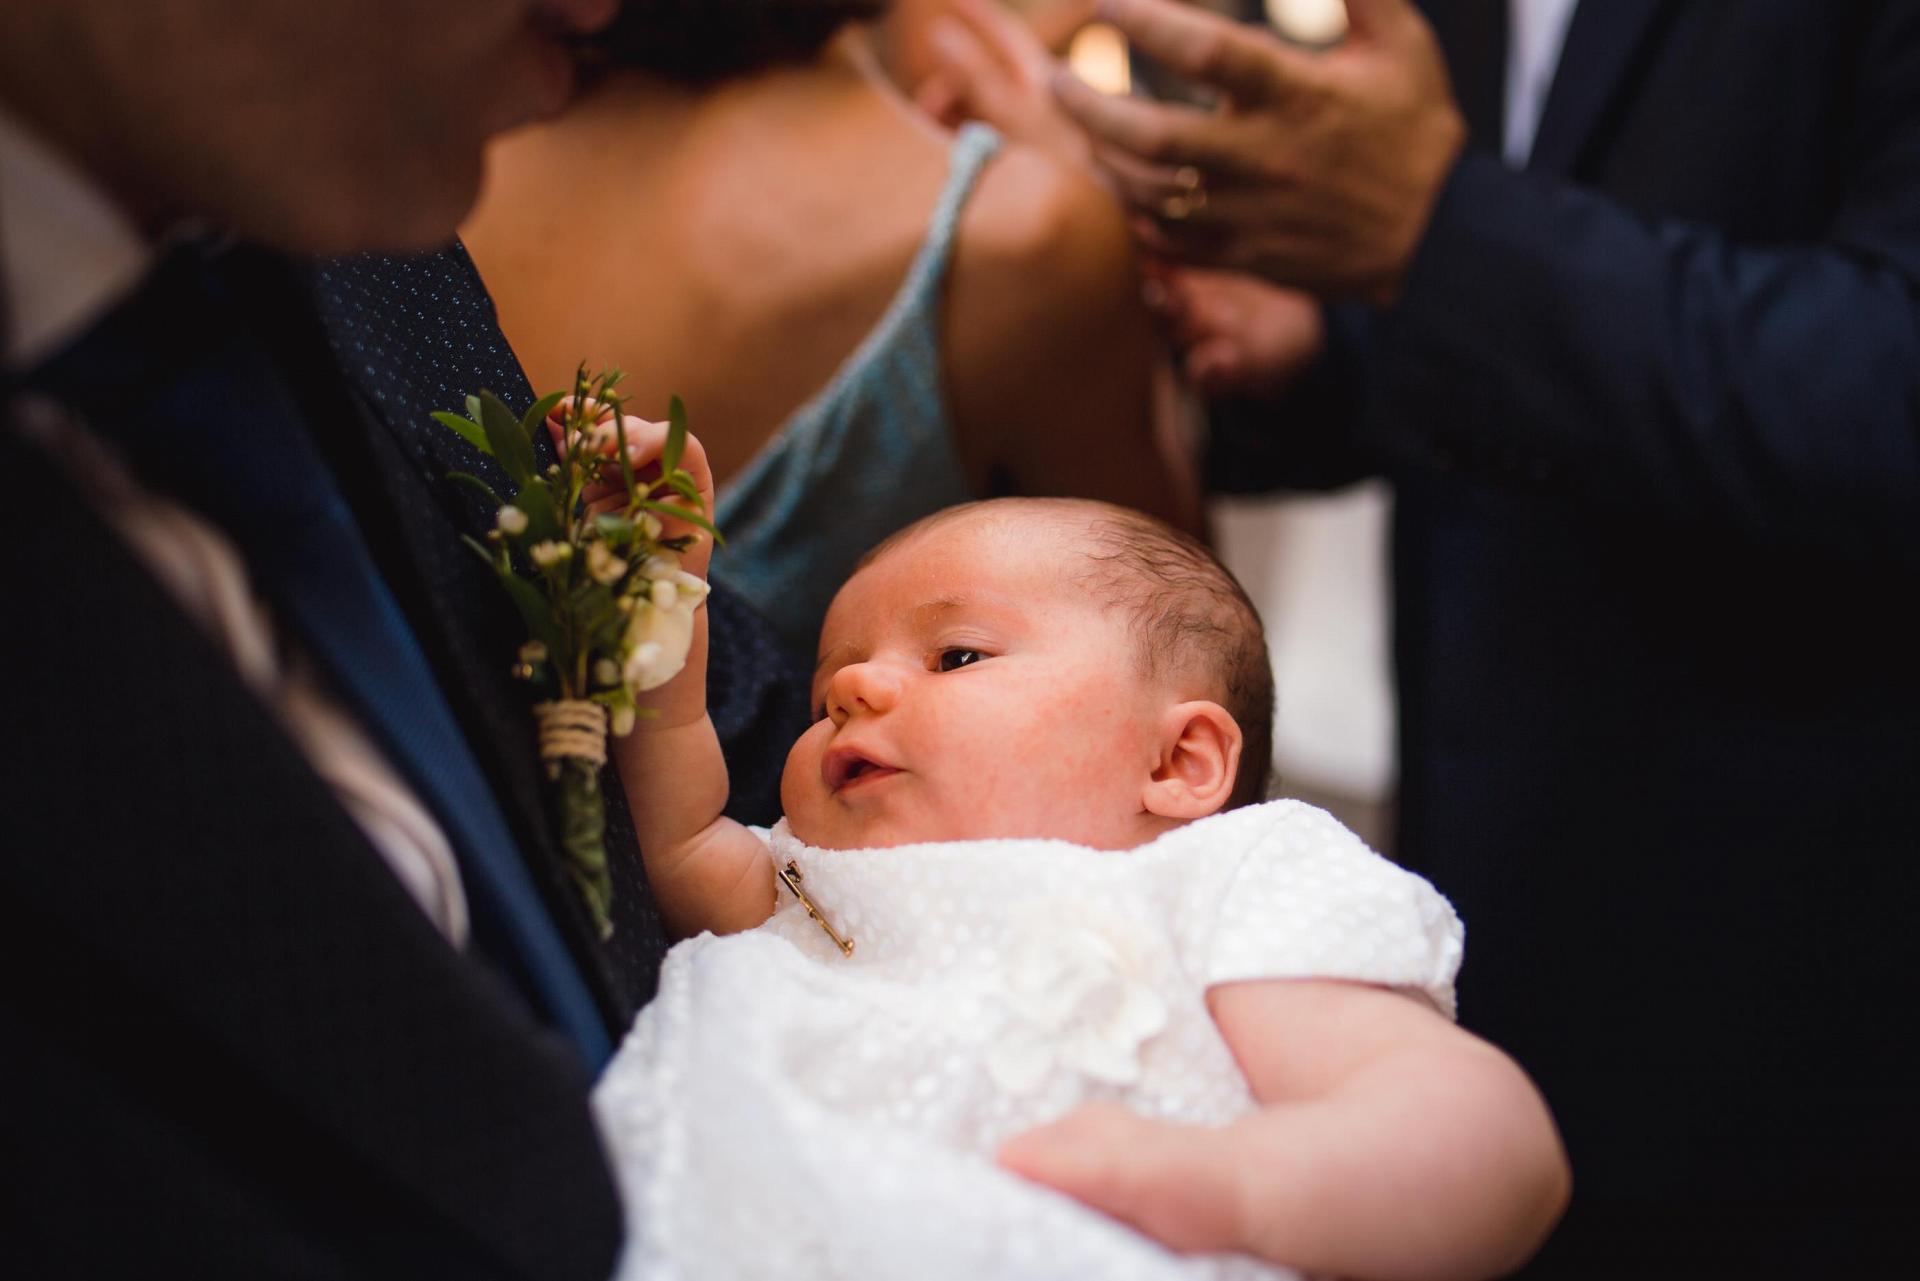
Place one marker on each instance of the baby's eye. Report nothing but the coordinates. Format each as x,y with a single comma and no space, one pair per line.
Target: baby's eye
954,659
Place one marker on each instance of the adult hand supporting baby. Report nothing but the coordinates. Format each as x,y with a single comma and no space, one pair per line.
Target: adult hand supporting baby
1370,1103
1165,1180
1319,171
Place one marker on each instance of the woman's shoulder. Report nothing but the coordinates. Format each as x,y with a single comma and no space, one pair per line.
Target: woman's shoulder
1052,236
1049,347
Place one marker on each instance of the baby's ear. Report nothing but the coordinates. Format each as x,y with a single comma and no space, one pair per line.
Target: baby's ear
1199,758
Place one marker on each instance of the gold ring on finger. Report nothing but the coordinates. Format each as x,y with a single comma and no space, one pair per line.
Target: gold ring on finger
1189,199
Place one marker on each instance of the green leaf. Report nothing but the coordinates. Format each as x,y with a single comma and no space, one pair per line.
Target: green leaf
592,605
617,530
536,416
682,484
471,432
681,513
480,549
626,464
676,436
475,483
535,612
512,446
536,500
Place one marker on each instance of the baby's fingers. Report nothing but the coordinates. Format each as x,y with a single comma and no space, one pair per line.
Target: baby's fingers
1172,1182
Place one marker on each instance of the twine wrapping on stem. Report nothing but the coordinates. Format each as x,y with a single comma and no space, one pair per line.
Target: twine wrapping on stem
573,743
572,729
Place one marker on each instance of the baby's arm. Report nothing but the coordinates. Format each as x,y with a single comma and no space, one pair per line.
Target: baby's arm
707,871
1388,1144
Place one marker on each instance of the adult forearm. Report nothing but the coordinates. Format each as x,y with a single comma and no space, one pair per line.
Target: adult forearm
1550,339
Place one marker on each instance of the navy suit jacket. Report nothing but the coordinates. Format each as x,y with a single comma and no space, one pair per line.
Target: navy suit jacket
233,1044
1652,409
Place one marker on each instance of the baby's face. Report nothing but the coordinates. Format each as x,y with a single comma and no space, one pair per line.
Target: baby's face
967,688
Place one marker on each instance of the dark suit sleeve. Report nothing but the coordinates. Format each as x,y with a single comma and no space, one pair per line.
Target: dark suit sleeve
1306,441
1551,339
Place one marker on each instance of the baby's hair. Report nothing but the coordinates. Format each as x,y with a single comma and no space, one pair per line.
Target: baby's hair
1187,608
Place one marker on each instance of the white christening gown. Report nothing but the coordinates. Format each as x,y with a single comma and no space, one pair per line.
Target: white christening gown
783,1111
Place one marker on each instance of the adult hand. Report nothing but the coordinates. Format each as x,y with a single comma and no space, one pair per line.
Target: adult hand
995,68
1237,334
1320,170
1171,1182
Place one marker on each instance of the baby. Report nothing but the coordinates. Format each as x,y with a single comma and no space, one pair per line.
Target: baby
1025,931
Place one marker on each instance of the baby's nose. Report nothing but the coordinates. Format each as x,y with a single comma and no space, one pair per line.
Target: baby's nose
862,687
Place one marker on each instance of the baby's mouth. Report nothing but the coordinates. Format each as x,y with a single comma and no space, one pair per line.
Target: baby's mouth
845,768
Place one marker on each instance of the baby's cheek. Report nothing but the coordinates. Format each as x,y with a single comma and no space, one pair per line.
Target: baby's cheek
800,783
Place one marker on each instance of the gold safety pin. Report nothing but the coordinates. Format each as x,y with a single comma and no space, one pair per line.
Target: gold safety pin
791,875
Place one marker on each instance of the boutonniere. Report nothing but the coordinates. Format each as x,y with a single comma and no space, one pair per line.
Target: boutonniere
581,549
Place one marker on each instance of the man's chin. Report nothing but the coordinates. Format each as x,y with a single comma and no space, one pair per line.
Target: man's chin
414,219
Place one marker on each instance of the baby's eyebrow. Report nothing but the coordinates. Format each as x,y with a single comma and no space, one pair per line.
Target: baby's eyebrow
943,605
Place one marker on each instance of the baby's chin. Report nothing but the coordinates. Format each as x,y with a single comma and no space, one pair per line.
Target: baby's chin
883,832
875,835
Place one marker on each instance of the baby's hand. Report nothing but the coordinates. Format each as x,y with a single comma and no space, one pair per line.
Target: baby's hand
645,442
681,699
1164,1180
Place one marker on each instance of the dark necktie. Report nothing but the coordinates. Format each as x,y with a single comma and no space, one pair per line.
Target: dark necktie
176,381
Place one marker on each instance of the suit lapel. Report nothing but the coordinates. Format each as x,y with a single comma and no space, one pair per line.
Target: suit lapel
397,365
1603,44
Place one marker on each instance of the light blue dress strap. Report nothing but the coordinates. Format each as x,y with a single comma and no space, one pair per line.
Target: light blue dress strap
869,453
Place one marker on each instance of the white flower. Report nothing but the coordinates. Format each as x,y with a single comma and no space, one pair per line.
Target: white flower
622,721
548,554
666,593
606,671
657,643
660,565
604,564
691,586
1076,998
650,525
511,520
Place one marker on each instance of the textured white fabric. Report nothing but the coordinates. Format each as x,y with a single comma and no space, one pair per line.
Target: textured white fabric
780,1110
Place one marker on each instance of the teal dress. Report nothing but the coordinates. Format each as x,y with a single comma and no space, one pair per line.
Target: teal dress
871,452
